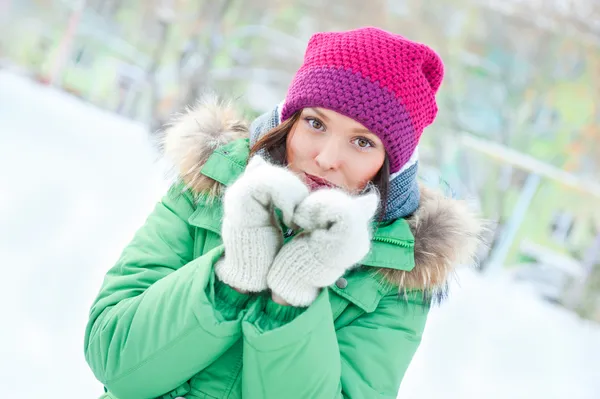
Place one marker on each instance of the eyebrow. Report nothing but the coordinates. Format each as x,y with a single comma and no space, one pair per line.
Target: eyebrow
356,130
322,115
363,131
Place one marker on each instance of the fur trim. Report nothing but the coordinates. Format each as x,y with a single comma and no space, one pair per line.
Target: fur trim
192,137
447,233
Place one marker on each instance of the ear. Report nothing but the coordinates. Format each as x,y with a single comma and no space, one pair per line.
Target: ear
255,162
368,204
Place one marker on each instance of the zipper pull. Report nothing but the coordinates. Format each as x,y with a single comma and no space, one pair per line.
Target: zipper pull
288,233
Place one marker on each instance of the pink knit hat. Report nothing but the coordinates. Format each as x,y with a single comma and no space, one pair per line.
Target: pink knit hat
380,79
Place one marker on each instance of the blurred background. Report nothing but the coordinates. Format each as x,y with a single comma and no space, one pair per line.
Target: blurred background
86,85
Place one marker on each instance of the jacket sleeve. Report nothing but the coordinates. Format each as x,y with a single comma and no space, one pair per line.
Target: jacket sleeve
295,353
159,317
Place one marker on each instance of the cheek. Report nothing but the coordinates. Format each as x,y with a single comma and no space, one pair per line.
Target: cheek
362,172
298,147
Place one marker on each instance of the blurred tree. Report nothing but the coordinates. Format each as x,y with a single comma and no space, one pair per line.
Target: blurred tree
208,39
164,19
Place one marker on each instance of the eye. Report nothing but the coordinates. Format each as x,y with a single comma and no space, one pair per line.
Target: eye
315,123
363,143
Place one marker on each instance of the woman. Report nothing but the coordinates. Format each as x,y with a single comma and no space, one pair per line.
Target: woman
291,277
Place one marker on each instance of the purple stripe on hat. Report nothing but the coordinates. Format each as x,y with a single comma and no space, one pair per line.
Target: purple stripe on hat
351,94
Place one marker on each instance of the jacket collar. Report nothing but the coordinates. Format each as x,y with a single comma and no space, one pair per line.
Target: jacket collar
228,162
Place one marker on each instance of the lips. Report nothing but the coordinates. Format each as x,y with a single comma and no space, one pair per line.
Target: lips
315,182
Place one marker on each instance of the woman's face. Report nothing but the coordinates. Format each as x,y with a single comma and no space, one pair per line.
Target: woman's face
326,148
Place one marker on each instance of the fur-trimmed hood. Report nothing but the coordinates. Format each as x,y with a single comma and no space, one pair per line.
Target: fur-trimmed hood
447,232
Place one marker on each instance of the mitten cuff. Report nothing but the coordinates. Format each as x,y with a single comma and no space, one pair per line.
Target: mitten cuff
290,274
249,254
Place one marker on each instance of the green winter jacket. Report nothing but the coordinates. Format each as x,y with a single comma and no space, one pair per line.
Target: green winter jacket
163,326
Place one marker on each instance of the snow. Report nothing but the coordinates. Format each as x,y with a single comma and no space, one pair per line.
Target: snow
496,339
75,184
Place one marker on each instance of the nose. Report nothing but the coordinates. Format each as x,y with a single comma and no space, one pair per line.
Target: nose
329,156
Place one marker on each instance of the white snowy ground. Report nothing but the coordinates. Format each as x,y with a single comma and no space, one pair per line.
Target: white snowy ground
75,184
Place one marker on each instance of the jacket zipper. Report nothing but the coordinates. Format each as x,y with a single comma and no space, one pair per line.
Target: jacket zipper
400,243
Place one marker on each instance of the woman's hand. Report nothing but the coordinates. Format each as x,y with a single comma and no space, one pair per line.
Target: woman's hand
250,231
336,236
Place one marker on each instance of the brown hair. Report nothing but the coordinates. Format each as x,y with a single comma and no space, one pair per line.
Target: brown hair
274,142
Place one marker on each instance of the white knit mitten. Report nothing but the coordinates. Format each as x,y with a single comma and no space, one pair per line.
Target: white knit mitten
336,236
250,231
